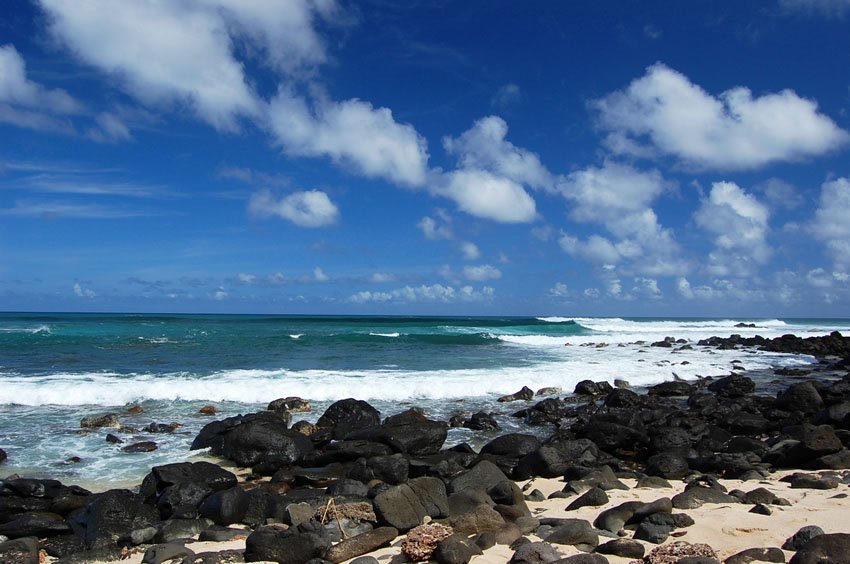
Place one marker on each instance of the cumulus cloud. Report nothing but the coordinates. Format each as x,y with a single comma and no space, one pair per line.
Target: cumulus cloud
559,290
246,278
312,208
470,250
319,275
382,277
483,194
740,222
780,194
438,228
25,103
664,112
831,225
481,272
619,197
425,293
484,147
83,292
352,133
683,286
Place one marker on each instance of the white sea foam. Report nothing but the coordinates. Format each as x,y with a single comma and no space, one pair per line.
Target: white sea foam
640,365
43,329
388,335
296,336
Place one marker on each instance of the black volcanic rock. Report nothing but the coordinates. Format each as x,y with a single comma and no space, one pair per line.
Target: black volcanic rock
733,386
345,416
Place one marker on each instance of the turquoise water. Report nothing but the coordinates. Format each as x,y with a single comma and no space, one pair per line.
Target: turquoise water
56,368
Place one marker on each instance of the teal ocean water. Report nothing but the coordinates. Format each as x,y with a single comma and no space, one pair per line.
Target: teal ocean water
57,368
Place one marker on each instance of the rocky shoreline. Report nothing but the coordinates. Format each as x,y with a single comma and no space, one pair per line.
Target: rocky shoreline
354,482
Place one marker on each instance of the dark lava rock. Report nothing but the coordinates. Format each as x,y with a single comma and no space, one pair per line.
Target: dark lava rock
824,549
3,456
802,537
361,544
182,499
206,474
761,509
733,386
455,550
768,554
408,432
513,445
615,518
348,415
652,532
583,559
279,545
652,482
535,553
482,476
114,514
592,497
347,487
393,469
481,519
217,533
19,551
35,525
624,548
676,388
810,482
225,507
553,458
589,388
143,446
802,397
622,397
482,421
761,495
292,404
98,421
432,495
264,437
524,394
667,465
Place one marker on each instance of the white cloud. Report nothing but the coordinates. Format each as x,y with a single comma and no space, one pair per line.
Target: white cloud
614,288
109,128
618,197
827,8
484,147
424,293
831,224
319,275
171,53
24,103
739,221
312,208
667,113
591,293
470,250
481,272
819,278
382,277
506,95
220,294
559,290
542,232
433,229
83,292
352,133
67,210
683,286
245,278
647,288
485,195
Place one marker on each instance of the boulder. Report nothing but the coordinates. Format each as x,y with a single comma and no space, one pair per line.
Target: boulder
399,507
615,518
143,446
432,495
482,421
552,459
695,497
225,507
455,550
264,438
292,404
284,545
802,537
624,548
35,524
482,476
676,388
592,497
733,386
161,553
824,548
768,554
345,416
3,456
209,475
574,532
114,514
182,499
20,551
535,553
525,394
361,544
99,421
667,465
482,518
513,445
408,432
802,397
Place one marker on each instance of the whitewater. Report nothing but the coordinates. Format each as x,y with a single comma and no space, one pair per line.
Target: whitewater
57,368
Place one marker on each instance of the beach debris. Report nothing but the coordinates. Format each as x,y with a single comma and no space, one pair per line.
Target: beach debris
421,542
673,552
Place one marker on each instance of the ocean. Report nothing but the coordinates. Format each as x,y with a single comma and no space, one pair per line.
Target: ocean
57,368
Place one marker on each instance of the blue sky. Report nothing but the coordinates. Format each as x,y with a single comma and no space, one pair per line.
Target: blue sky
440,157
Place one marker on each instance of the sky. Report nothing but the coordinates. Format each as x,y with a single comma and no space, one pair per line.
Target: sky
466,157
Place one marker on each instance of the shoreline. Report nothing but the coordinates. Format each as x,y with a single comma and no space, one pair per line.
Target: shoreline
607,425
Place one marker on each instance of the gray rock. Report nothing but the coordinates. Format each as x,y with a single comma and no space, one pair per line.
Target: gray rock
592,497
576,532
279,545
225,507
361,544
99,421
218,533
583,559
432,495
624,548
769,554
161,553
176,529
220,557
651,532
455,550
20,551
481,519
35,524
297,513
761,509
695,497
399,507
799,539
482,476
535,553
615,518
653,482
